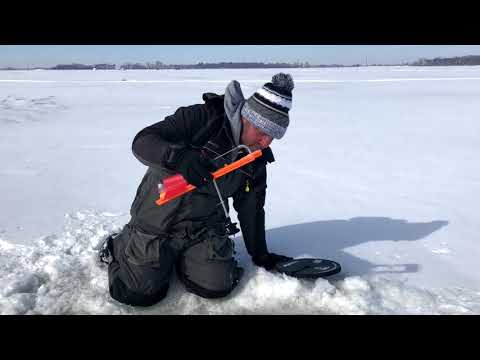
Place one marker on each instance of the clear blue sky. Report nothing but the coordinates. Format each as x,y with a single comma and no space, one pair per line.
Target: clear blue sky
50,55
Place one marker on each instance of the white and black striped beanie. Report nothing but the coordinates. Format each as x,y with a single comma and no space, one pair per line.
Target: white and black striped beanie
268,108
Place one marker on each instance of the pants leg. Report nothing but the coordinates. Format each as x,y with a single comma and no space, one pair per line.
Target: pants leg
208,268
140,273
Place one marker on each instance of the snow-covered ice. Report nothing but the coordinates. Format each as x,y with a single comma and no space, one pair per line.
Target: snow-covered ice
377,171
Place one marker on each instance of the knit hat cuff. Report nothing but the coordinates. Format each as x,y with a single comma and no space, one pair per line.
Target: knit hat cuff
267,126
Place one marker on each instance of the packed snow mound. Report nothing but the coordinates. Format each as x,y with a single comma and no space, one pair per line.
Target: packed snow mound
17,109
58,274
61,275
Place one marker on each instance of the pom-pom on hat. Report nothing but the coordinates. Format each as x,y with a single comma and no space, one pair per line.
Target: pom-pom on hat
268,107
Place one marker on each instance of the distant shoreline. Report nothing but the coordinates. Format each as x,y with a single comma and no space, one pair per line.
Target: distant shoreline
187,67
323,67
470,60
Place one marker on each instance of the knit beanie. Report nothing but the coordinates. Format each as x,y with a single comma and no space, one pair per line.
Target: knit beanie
267,109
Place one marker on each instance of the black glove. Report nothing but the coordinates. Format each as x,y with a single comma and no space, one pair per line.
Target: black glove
269,260
195,168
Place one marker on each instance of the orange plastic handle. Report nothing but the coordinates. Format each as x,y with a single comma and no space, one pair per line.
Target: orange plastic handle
179,182
237,164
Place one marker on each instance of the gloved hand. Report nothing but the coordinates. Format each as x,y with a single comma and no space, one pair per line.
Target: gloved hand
195,168
269,260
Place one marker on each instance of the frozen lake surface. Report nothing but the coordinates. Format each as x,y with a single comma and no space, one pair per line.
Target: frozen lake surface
378,170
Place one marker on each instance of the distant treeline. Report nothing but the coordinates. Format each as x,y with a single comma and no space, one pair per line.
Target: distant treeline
222,65
158,65
84,67
459,60
67,67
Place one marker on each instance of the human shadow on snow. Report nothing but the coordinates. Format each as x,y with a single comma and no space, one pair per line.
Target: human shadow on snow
328,239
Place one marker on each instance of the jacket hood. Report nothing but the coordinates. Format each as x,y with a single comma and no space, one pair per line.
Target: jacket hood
233,103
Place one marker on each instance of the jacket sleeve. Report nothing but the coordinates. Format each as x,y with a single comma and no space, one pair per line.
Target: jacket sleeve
157,145
250,208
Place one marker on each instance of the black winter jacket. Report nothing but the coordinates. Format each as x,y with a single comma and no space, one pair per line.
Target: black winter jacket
206,128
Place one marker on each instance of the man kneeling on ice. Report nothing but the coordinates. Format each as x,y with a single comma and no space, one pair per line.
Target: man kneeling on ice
191,233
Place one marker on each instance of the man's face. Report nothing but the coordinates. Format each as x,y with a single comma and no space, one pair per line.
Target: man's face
253,137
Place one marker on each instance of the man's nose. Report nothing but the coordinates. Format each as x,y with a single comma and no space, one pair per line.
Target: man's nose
266,141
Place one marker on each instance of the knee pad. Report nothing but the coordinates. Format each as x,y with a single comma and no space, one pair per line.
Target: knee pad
208,268
120,292
141,272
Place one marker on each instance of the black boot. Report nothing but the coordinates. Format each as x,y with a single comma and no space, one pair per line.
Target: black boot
105,253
